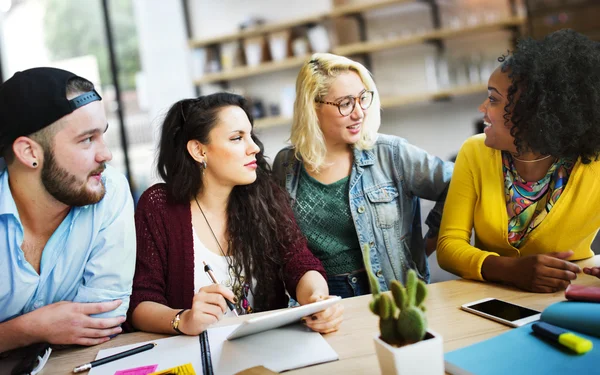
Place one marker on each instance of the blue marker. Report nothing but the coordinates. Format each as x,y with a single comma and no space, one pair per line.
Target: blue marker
555,334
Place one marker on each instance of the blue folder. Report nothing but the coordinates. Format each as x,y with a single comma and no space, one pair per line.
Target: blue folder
519,351
582,317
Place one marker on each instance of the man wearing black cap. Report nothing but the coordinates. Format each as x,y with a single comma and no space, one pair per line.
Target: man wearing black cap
67,236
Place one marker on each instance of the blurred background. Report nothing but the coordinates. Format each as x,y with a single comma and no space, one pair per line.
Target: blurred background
430,59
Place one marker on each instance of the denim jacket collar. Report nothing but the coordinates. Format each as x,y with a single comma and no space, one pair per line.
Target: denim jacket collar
363,157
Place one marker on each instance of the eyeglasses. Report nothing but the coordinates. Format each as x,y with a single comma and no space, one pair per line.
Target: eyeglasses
346,105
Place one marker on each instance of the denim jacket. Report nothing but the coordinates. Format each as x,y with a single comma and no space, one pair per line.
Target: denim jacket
386,183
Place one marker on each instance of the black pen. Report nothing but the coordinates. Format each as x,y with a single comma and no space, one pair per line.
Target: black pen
210,273
114,357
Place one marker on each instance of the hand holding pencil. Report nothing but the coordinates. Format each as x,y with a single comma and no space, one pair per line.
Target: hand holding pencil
213,278
208,307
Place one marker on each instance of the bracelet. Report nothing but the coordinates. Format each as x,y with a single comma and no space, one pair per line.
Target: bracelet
175,322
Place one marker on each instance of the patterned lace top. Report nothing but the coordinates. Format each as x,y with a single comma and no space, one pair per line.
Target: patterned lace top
323,214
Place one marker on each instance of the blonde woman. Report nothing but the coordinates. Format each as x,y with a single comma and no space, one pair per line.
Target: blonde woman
351,186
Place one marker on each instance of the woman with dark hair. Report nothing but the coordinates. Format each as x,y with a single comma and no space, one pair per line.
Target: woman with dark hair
530,187
218,206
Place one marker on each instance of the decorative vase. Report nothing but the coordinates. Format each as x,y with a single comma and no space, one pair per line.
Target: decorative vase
425,357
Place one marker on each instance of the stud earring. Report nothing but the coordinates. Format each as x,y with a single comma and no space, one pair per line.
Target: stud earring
34,164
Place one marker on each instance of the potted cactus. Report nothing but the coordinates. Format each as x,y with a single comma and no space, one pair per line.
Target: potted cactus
404,345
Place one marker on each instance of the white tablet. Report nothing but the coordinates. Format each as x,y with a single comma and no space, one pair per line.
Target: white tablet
280,318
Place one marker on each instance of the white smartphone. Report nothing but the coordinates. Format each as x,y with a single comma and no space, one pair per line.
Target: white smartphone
503,312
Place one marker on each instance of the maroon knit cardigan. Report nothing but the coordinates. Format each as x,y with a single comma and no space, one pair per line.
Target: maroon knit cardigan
164,271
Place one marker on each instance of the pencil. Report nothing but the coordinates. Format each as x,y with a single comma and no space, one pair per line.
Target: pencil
114,357
212,276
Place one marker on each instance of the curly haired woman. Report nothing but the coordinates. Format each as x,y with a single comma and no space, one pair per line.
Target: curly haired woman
530,187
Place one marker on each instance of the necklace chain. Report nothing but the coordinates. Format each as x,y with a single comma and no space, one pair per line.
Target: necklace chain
229,265
531,161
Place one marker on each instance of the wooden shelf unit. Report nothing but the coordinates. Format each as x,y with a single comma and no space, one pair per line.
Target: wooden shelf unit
271,122
406,99
248,71
288,24
264,29
389,102
344,10
357,48
446,33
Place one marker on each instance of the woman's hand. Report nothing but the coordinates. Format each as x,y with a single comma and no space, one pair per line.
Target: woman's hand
208,307
545,273
325,321
592,271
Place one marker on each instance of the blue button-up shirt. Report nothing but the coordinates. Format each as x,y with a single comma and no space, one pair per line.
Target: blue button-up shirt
89,258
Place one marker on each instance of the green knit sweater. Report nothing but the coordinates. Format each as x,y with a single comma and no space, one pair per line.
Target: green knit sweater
323,214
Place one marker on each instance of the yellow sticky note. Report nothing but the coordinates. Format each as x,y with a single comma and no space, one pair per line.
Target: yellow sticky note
186,369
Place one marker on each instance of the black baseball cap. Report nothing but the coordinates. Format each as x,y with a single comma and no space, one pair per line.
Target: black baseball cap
35,98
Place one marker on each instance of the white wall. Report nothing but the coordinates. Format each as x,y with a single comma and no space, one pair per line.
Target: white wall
23,49
164,53
166,75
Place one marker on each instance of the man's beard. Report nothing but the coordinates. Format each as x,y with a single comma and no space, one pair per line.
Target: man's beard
63,186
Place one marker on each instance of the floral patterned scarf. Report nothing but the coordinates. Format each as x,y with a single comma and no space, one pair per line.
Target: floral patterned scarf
528,203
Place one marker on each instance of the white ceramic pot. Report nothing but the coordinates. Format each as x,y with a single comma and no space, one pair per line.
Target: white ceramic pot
425,357
319,38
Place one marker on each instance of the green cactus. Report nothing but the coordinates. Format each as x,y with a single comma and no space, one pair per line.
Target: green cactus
402,318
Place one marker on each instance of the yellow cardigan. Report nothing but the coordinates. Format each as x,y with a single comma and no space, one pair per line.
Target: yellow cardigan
476,200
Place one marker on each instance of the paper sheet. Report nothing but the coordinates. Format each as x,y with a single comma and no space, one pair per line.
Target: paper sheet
168,353
279,349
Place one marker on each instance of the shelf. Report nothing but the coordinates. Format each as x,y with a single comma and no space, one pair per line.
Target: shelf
276,26
401,100
345,10
378,45
272,121
248,71
446,33
357,48
264,29
388,102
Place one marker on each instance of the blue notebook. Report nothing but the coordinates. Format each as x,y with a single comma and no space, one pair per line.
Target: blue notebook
519,351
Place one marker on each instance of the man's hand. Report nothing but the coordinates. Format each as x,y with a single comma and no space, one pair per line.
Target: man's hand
208,307
70,323
325,321
547,273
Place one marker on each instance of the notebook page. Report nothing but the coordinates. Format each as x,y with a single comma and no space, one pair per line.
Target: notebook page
279,349
168,353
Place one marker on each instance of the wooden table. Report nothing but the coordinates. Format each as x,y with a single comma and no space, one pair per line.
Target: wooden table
354,341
